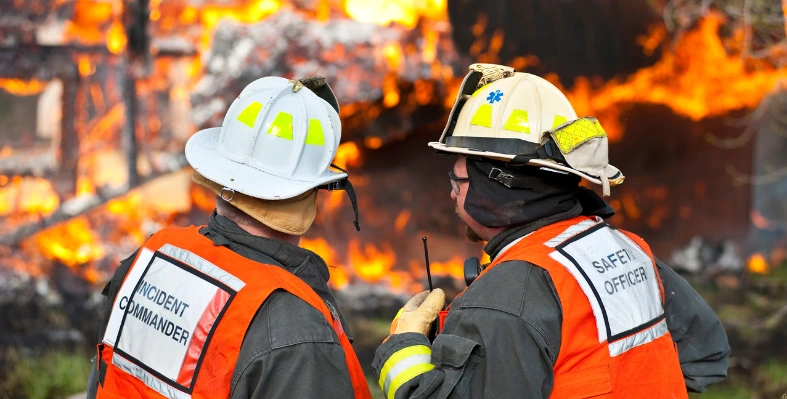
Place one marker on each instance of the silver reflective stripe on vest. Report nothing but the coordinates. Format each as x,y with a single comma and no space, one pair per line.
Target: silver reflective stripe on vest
572,231
640,338
202,265
150,380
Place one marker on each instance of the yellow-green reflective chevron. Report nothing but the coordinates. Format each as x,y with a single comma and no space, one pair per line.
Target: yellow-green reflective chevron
249,114
314,135
518,122
282,126
483,116
578,132
559,120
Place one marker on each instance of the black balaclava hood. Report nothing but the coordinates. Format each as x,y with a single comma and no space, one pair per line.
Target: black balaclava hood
544,193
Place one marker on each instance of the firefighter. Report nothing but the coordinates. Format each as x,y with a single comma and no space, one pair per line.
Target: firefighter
235,309
570,306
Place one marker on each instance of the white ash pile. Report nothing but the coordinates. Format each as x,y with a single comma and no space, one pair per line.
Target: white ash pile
378,301
702,255
361,299
354,56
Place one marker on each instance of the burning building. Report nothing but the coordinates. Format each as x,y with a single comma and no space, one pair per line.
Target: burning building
99,96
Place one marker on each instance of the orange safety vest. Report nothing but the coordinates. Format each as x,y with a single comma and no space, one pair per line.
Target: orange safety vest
178,322
614,338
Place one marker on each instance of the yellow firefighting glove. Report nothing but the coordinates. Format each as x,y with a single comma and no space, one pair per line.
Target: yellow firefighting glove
419,313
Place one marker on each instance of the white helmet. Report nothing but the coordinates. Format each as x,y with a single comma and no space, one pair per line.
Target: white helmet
523,119
277,141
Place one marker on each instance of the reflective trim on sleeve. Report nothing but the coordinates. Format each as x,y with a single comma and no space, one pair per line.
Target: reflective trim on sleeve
407,375
166,390
402,366
202,265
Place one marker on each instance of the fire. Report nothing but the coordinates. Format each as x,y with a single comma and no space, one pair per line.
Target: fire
404,12
339,278
757,264
321,248
250,11
116,38
348,154
693,80
453,268
29,195
371,263
203,198
20,87
97,22
72,243
373,143
401,221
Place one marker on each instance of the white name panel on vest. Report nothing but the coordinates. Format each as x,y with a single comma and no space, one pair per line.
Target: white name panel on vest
163,316
619,280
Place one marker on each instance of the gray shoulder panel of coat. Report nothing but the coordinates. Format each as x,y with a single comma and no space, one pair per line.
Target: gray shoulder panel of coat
703,347
524,290
283,321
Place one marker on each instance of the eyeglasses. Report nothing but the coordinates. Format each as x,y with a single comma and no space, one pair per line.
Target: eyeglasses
455,180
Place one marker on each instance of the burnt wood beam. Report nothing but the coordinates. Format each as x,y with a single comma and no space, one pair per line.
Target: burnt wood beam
32,61
129,126
66,182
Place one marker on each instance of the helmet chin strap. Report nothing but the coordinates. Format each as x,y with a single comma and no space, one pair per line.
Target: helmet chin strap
346,186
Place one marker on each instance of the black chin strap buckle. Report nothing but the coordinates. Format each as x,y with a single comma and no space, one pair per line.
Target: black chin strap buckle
501,177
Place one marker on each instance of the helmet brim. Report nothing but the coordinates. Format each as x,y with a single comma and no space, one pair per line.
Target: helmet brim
613,173
202,154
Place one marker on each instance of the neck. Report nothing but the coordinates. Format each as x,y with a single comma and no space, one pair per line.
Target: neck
261,230
490,232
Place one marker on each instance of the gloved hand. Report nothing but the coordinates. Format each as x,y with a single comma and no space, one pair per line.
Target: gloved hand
419,313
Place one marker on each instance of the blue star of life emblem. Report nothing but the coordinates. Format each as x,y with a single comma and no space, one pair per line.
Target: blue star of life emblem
496,95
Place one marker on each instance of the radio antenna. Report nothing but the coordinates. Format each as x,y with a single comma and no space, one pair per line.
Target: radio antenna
426,257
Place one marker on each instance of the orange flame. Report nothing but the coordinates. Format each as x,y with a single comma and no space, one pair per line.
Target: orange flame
72,243
97,22
402,220
339,278
371,264
404,12
348,154
20,87
30,195
116,38
757,264
693,80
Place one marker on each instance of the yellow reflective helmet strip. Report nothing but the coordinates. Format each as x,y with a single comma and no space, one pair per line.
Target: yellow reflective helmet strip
401,361
249,114
282,126
483,116
314,135
559,120
577,132
475,93
518,122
